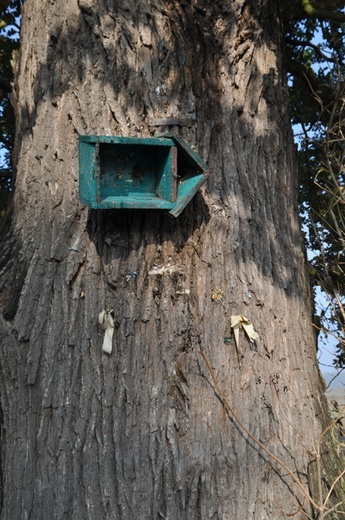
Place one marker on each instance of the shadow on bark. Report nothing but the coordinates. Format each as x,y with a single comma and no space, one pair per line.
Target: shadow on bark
128,230
196,39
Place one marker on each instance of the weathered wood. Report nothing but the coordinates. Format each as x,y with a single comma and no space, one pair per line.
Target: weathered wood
86,435
139,172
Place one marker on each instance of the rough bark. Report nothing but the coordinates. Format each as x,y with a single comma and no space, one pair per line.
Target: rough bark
87,435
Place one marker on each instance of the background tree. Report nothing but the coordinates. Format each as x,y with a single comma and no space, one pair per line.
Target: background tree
325,215
9,31
88,435
316,64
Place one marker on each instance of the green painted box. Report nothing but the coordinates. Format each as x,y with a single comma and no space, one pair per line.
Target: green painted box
138,172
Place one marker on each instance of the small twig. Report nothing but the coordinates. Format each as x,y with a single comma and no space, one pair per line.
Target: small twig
291,515
332,510
254,439
323,507
331,489
335,377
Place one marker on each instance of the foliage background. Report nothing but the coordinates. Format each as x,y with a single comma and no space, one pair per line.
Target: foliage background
9,43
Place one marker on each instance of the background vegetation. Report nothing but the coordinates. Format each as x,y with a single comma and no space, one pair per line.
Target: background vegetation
9,42
315,62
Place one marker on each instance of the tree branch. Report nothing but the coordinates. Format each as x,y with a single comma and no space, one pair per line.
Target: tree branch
316,49
322,14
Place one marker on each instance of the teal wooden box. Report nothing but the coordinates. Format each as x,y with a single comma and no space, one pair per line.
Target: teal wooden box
138,172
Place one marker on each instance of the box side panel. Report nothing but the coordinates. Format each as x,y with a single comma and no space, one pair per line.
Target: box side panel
147,141
87,174
167,173
132,203
188,156
186,191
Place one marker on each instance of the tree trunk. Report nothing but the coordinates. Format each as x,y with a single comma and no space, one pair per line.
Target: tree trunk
88,435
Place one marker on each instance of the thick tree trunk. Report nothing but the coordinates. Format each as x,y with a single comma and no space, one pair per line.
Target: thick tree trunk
86,435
